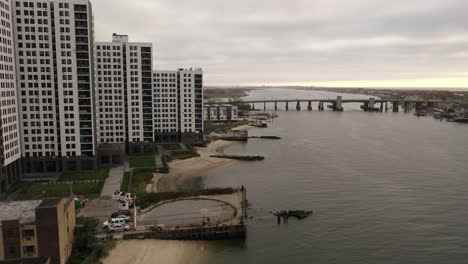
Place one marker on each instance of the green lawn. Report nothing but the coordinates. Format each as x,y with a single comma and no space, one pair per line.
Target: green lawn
171,146
88,175
142,162
125,182
88,190
15,187
139,180
191,152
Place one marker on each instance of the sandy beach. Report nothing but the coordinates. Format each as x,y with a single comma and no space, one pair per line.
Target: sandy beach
156,251
183,171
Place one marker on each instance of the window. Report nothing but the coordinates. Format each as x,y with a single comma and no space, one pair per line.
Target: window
29,250
28,234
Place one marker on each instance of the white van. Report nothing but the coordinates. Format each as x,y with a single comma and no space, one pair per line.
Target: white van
113,221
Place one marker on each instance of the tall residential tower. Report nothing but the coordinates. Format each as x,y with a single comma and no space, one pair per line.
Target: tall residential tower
178,105
124,91
54,57
10,152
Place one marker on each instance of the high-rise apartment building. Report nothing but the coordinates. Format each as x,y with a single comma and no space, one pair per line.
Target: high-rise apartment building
178,105
124,93
10,152
54,68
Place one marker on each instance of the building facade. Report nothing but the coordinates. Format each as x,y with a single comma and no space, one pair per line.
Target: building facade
178,106
10,147
37,228
54,68
124,91
221,113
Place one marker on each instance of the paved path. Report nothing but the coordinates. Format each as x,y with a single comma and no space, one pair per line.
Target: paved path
113,182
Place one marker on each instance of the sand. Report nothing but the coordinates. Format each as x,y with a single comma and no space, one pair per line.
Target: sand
181,172
154,251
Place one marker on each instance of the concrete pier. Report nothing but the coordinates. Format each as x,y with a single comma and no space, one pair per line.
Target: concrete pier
320,107
386,106
371,104
298,106
419,106
253,106
276,105
396,107
264,106
287,105
381,107
406,106
309,106
338,105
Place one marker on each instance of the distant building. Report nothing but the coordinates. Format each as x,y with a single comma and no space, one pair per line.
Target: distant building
178,106
10,147
221,113
37,228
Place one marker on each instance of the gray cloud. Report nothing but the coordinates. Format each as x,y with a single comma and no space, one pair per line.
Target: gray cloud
271,41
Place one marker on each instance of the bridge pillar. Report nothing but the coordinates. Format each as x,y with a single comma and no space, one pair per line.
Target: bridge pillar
338,105
320,107
406,106
298,106
287,105
365,106
309,106
386,106
381,106
276,105
253,106
264,106
371,104
419,106
396,106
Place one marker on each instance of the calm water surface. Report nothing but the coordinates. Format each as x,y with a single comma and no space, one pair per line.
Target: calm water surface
385,188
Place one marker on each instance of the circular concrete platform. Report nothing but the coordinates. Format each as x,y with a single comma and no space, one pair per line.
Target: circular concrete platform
189,212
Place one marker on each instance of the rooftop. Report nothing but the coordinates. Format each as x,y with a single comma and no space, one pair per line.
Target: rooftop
22,210
49,203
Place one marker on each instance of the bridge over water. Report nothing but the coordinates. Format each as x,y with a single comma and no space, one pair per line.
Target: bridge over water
337,104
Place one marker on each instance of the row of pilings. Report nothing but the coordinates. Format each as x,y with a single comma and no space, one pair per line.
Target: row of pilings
298,106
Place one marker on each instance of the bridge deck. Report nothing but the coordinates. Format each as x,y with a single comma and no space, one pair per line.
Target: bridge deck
328,100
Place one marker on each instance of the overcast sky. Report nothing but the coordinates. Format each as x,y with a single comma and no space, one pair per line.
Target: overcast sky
308,42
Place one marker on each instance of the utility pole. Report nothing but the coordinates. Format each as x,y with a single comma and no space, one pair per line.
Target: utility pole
135,212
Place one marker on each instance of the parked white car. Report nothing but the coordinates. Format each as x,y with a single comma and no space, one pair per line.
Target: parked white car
118,228
116,195
113,221
123,196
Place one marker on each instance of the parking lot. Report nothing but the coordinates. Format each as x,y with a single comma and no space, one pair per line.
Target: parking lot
100,208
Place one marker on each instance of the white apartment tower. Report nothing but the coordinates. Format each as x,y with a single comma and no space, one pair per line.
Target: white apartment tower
124,91
178,105
54,56
10,152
